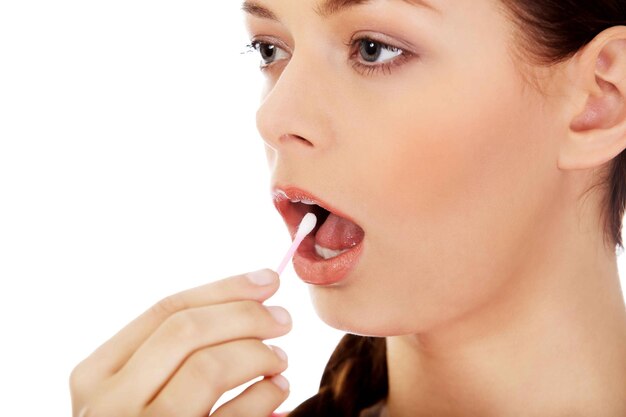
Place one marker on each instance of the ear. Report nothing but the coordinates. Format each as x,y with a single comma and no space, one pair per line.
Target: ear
597,133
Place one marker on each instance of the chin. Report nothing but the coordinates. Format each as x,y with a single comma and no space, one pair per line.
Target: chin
356,320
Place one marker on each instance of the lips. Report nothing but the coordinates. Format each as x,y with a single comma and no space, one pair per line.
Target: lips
310,266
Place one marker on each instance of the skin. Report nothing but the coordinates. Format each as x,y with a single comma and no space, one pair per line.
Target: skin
206,341
484,261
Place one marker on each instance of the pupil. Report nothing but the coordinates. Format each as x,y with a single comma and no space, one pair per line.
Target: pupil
267,51
370,50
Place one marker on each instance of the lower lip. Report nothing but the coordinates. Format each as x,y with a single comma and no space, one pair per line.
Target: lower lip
314,269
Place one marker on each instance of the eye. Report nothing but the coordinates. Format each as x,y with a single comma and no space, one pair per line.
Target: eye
378,56
269,52
370,56
372,50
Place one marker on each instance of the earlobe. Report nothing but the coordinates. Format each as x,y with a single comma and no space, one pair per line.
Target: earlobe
597,133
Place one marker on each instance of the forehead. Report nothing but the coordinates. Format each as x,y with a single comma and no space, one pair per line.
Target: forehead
327,8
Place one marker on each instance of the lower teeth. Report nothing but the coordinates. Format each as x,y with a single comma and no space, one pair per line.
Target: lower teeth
328,253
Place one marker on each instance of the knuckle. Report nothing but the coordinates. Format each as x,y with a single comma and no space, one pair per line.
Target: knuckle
183,325
250,317
250,307
168,306
263,355
207,366
251,311
79,378
76,378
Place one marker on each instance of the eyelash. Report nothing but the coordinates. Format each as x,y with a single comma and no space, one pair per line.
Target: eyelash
363,69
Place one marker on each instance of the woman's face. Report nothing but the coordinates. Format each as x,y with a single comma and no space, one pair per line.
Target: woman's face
440,151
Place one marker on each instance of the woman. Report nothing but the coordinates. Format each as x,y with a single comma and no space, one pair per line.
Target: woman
470,155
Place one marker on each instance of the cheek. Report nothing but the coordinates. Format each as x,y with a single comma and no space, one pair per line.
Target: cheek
437,160
455,178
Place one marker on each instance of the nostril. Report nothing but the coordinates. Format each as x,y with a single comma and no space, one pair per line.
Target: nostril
306,142
290,137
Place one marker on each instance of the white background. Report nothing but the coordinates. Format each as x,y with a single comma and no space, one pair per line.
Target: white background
130,169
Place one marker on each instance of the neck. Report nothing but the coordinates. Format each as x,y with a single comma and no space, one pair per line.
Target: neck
552,343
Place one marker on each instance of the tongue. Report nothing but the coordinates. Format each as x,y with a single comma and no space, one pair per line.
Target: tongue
338,233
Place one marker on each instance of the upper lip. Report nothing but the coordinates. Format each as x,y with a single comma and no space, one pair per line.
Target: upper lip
292,214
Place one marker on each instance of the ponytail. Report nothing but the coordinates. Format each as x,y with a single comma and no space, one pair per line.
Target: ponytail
354,379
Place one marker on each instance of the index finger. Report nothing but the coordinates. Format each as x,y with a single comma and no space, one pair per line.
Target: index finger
108,358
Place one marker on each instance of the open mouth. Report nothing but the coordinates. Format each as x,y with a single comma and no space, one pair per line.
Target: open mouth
335,233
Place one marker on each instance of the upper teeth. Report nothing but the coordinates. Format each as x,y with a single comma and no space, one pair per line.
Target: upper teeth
303,201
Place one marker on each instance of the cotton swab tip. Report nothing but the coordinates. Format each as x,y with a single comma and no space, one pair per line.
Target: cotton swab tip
307,224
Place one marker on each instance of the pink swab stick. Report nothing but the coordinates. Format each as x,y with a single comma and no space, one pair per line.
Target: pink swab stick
306,226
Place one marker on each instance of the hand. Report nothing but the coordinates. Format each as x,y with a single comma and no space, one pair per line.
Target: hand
182,354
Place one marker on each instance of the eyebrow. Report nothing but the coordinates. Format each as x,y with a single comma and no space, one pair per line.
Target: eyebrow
326,9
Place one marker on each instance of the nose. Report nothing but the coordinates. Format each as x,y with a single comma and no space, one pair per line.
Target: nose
294,112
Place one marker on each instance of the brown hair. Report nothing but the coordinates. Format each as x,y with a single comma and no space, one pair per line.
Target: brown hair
548,32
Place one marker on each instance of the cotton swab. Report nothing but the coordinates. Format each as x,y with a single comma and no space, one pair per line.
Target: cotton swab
306,226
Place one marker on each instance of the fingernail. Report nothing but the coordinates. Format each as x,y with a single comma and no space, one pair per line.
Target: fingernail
279,352
262,277
280,381
280,314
